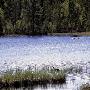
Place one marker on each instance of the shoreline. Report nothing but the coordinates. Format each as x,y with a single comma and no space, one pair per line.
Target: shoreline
74,34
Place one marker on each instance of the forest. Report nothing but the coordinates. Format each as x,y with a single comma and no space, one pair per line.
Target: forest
39,17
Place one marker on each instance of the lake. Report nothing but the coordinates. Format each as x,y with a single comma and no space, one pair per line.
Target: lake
60,52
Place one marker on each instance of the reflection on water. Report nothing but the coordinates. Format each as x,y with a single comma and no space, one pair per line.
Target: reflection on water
60,52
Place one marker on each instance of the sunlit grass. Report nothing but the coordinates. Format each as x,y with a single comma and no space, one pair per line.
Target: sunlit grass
21,78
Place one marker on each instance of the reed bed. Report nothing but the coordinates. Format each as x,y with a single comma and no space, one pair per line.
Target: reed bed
33,76
25,78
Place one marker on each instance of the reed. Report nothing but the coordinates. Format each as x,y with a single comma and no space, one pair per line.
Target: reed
27,77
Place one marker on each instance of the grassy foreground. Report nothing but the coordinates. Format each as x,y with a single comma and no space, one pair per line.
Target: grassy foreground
27,78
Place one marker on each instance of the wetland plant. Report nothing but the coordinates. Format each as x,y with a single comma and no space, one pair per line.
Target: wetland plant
25,78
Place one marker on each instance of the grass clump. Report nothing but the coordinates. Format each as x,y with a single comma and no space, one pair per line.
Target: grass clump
27,78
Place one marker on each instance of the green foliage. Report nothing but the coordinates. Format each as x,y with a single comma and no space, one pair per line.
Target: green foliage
35,76
9,27
1,13
40,16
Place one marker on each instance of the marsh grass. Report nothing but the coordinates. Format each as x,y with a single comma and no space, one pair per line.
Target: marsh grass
27,77
33,76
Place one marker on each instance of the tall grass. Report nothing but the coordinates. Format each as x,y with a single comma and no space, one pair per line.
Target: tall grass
21,78
34,76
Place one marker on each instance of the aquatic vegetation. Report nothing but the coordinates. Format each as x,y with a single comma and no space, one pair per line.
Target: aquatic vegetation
28,77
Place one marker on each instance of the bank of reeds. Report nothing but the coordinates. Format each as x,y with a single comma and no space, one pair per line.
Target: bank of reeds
27,77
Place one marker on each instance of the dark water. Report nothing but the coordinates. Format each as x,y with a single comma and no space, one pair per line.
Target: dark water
61,52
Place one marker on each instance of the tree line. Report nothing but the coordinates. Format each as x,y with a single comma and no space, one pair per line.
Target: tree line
42,16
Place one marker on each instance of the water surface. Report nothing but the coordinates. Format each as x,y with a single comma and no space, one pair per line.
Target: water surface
48,50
